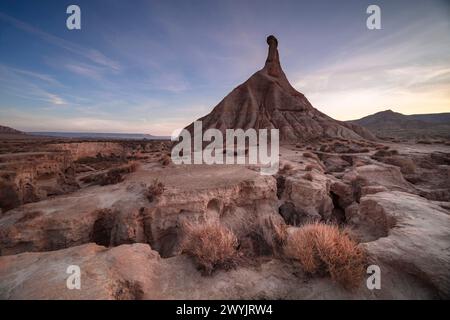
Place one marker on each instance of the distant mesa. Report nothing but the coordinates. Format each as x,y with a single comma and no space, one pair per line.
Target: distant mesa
8,130
389,123
101,135
267,100
10,133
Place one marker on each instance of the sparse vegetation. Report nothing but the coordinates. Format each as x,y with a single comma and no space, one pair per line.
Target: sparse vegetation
165,160
154,190
406,165
211,245
311,167
112,176
286,167
385,153
323,249
29,215
310,155
8,195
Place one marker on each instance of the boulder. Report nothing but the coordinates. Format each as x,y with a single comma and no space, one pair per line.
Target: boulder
408,233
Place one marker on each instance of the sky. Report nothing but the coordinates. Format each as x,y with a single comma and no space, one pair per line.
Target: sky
155,66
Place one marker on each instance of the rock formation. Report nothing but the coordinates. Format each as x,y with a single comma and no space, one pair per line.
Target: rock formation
8,130
268,100
393,124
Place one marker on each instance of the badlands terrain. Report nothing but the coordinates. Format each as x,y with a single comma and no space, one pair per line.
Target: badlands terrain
121,210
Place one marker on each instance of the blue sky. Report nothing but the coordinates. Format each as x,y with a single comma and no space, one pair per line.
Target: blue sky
155,66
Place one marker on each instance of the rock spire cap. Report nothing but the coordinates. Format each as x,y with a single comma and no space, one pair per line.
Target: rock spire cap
271,40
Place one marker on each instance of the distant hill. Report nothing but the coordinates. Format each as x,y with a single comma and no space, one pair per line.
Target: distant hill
99,135
8,130
394,124
7,133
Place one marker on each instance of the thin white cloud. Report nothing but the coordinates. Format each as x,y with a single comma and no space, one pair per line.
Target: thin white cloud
89,53
400,72
84,70
20,83
41,76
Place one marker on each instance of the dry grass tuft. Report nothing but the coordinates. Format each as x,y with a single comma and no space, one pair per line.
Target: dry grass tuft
211,245
385,153
9,198
286,167
310,155
324,249
406,165
165,160
154,190
312,166
113,175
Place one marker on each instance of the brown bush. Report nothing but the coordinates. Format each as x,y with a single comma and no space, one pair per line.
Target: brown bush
310,155
407,166
154,190
112,176
9,198
324,249
286,167
385,153
311,167
133,166
29,215
165,160
308,176
211,245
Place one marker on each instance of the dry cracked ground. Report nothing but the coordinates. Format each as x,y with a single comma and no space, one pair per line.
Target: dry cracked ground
117,210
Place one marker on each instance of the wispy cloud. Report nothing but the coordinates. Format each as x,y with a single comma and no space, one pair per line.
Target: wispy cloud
89,53
20,83
410,76
84,70
41,76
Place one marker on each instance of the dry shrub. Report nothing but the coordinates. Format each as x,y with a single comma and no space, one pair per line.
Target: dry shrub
325,148
312,166
9,198
112,176
211,245
324,249
407,166
154,190
385,153
165,160
286,167
310,155
29,215
133,165
308,176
